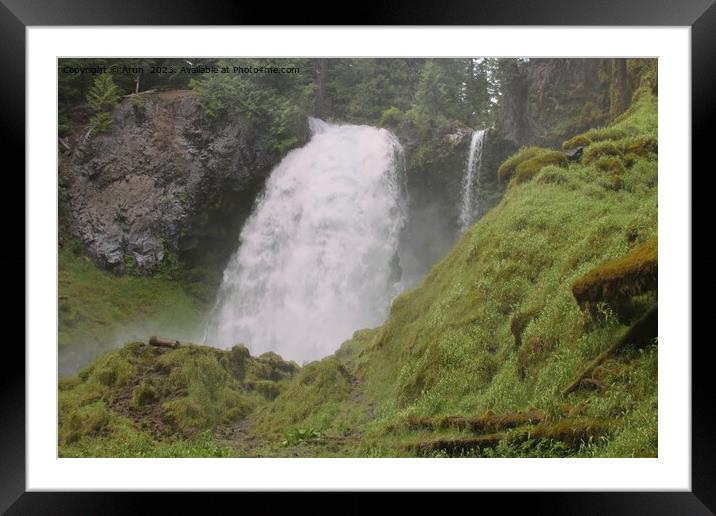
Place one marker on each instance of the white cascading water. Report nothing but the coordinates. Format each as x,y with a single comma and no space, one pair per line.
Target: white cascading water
470,184
317,259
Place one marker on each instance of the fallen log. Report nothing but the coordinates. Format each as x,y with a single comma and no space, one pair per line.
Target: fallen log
64,144
570,431
145,92
617,281
594,384
639,334
485,423
457,444
162,342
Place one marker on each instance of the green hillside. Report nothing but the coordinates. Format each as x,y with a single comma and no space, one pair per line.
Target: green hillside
495,329
534,336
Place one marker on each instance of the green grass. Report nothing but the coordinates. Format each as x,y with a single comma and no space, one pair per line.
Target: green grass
448,347
144,401
99,309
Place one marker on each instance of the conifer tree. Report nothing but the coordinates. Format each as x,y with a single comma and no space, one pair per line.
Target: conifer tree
102,98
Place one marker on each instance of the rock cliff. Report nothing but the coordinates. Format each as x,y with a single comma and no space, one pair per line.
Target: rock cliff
167,183
170,184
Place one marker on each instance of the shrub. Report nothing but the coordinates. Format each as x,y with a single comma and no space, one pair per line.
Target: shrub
391,117
139,102
530,167
507,169
104,94
114,371
102,98
186,415
592,136
604,133
609,164
90,420
238,356
210,395
101,123
268,389
300,435
63,124
599,149
642,145
580,140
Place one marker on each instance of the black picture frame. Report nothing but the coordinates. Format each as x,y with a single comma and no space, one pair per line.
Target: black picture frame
16,15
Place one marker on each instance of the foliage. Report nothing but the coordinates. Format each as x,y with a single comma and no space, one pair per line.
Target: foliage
389,92
73,86
448,348
391,117
99,309
509,166
101,122
103,95
312,400
204,395
275,103
63,123
299,435
178,394
528,168
432,94
102,98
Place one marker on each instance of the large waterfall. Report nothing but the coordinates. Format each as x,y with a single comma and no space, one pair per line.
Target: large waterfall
470,183
317,259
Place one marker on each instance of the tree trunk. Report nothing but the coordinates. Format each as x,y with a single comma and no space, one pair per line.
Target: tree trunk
162,342
320,105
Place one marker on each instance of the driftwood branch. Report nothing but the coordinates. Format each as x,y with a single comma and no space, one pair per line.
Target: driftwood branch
64,144
162,342
146,92
640,334
485,423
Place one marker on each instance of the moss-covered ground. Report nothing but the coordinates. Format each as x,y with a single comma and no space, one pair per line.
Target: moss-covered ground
474,361
98,309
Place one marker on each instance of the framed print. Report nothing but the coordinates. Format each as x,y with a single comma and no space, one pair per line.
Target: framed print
366,257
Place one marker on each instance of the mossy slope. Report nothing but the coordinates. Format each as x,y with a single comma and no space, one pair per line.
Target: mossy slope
98,309
147,401
448,347
472,362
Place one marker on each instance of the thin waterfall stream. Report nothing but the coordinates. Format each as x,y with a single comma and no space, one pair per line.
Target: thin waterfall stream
471,184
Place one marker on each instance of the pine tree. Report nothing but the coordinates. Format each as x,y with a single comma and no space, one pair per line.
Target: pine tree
104,94
102,98
432,92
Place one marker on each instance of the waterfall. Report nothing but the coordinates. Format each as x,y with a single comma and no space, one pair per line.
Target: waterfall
470,183
317,259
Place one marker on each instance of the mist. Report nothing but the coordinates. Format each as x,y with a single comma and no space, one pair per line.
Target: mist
317,258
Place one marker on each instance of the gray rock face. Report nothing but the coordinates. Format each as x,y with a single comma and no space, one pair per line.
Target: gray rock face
166,181
546,101
434,171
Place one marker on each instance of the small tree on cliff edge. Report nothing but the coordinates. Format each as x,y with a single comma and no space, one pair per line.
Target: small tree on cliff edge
102,98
